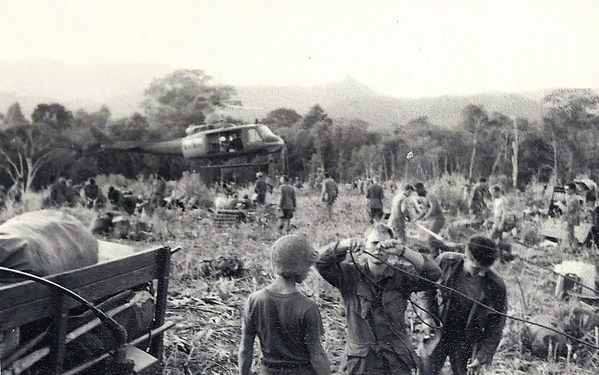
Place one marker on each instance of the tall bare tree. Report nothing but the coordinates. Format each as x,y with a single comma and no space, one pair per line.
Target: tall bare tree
475,118
25,150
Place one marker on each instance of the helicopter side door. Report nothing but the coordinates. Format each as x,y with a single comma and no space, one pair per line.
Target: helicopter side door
226,142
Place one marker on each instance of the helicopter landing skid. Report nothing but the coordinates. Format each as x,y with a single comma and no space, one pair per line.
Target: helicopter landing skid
224,166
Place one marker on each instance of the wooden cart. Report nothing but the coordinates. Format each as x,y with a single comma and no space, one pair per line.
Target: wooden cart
29,301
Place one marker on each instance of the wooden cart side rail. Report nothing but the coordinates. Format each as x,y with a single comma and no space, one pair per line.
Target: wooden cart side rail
29,301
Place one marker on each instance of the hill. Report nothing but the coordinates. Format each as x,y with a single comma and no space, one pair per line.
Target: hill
350,99
121,87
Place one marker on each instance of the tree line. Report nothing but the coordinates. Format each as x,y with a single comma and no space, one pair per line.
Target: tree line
58,142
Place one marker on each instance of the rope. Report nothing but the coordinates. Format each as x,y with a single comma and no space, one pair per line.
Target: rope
482,304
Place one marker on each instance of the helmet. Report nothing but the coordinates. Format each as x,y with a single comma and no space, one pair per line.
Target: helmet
293,255
259,174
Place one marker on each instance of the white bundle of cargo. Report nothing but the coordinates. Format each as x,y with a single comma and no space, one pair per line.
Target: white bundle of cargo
46,242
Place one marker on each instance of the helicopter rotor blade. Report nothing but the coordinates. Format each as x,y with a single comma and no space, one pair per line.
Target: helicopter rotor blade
242,107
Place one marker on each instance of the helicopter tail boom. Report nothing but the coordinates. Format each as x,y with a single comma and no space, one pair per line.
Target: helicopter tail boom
162,148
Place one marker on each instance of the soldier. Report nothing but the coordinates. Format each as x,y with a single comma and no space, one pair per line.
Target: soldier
223,142
287,203
572,214
261,188
498,220
469,333
91,191
115,197
375,297
129,202
477,204
236,143
375,198
158,191
58,195
432,213
401,211
287,323
330,191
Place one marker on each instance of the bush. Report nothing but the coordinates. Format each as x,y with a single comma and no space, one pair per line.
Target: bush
30,201
191,185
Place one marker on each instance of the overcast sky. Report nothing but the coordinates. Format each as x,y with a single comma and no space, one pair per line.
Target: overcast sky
401,48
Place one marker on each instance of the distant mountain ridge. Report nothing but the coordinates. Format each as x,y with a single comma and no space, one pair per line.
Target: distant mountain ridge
351,99
121,87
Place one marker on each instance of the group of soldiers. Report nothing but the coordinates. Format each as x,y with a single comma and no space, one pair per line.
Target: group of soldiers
464,297
376,292
574,213
288,202
64,193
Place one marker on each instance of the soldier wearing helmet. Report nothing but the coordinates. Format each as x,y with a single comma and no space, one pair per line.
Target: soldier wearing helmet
287,323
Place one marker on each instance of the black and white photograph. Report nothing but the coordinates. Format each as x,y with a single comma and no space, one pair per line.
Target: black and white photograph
300,187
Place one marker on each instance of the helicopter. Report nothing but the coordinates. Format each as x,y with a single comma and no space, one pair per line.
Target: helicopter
213,142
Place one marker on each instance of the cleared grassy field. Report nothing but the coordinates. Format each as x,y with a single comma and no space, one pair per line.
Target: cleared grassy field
208,310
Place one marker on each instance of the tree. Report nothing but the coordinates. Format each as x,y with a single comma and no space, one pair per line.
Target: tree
14,116
134,128
26,149
318,123
369,157
522,128
299,148
322,133
570,115
499,141
281,118
475,118
536,157
182,98
349,134
314,116
54,115
98,119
